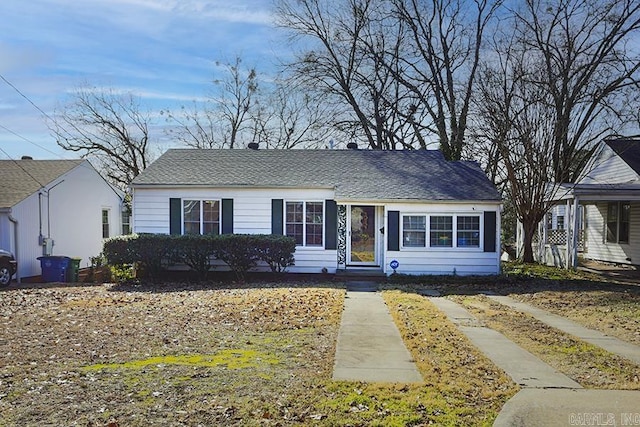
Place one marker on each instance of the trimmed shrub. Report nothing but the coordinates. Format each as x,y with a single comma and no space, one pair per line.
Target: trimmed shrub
149,252
277,251
152,253
239,252
119,250
196,251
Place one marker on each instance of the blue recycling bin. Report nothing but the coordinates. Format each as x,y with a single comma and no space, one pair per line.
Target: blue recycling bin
54,268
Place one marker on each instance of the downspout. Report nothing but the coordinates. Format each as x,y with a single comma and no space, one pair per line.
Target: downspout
40,236
15,249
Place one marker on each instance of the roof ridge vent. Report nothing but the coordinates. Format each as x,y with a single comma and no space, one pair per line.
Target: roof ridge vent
253,145
352,146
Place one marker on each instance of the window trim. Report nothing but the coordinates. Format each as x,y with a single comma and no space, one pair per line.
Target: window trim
424,231
454,230
457,231
619,205
304,202
201,220
106,211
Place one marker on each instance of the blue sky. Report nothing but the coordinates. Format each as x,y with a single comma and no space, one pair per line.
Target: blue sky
164,51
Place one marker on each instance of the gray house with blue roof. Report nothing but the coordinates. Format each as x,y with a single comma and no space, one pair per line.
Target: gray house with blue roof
407,211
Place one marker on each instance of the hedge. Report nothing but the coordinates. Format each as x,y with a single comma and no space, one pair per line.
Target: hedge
153,253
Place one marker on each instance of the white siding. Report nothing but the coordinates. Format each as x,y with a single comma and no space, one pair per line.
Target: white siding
251,215
596,248
461,261
70,213
251,207
608,169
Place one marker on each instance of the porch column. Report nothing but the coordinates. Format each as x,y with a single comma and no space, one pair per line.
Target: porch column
569,240
575,226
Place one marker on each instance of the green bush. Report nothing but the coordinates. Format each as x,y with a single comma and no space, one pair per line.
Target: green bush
239,252
196,251
121,273
152,253
277,251
119,250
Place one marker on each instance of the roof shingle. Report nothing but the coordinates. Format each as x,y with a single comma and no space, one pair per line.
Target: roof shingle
355,174
21,178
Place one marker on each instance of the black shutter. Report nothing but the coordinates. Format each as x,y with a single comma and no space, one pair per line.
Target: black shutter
393,234
331,224
489,231
276,217
175,216
227,216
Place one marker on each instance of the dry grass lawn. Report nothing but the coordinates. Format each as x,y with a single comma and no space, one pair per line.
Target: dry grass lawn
108,355
262,354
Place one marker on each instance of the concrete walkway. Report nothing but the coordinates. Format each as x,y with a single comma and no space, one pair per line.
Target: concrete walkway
369,346
524,368
611,344
548,397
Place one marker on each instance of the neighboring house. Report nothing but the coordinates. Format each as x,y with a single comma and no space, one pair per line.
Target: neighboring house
347,209
606,198
55,207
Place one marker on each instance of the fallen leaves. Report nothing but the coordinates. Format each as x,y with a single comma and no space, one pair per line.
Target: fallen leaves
182,355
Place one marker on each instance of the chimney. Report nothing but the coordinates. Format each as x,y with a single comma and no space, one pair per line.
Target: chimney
352,146
253,145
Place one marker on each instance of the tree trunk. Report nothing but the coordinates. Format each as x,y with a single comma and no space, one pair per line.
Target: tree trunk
529,231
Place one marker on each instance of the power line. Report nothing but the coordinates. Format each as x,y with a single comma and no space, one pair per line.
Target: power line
25,97
23,169
30,142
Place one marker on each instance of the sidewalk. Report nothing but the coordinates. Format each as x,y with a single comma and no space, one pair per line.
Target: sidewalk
548,397
611,344
369,346
524,368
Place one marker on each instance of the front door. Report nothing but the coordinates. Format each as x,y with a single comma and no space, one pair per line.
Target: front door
362,247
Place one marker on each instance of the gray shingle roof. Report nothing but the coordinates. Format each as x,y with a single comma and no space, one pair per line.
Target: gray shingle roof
21,178
355,174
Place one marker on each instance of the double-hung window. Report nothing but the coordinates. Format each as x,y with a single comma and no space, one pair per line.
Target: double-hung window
618,222
414,231
444,231
468,230
105,223
305,222
201,216
441,234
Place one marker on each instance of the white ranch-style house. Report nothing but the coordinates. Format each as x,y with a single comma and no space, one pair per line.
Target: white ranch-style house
382,211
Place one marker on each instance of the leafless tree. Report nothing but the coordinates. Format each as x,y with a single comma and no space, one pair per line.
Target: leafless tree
344,42
404,70
586,64
518,124
238,96
288,117
108,126
221,120
554,86
439,62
